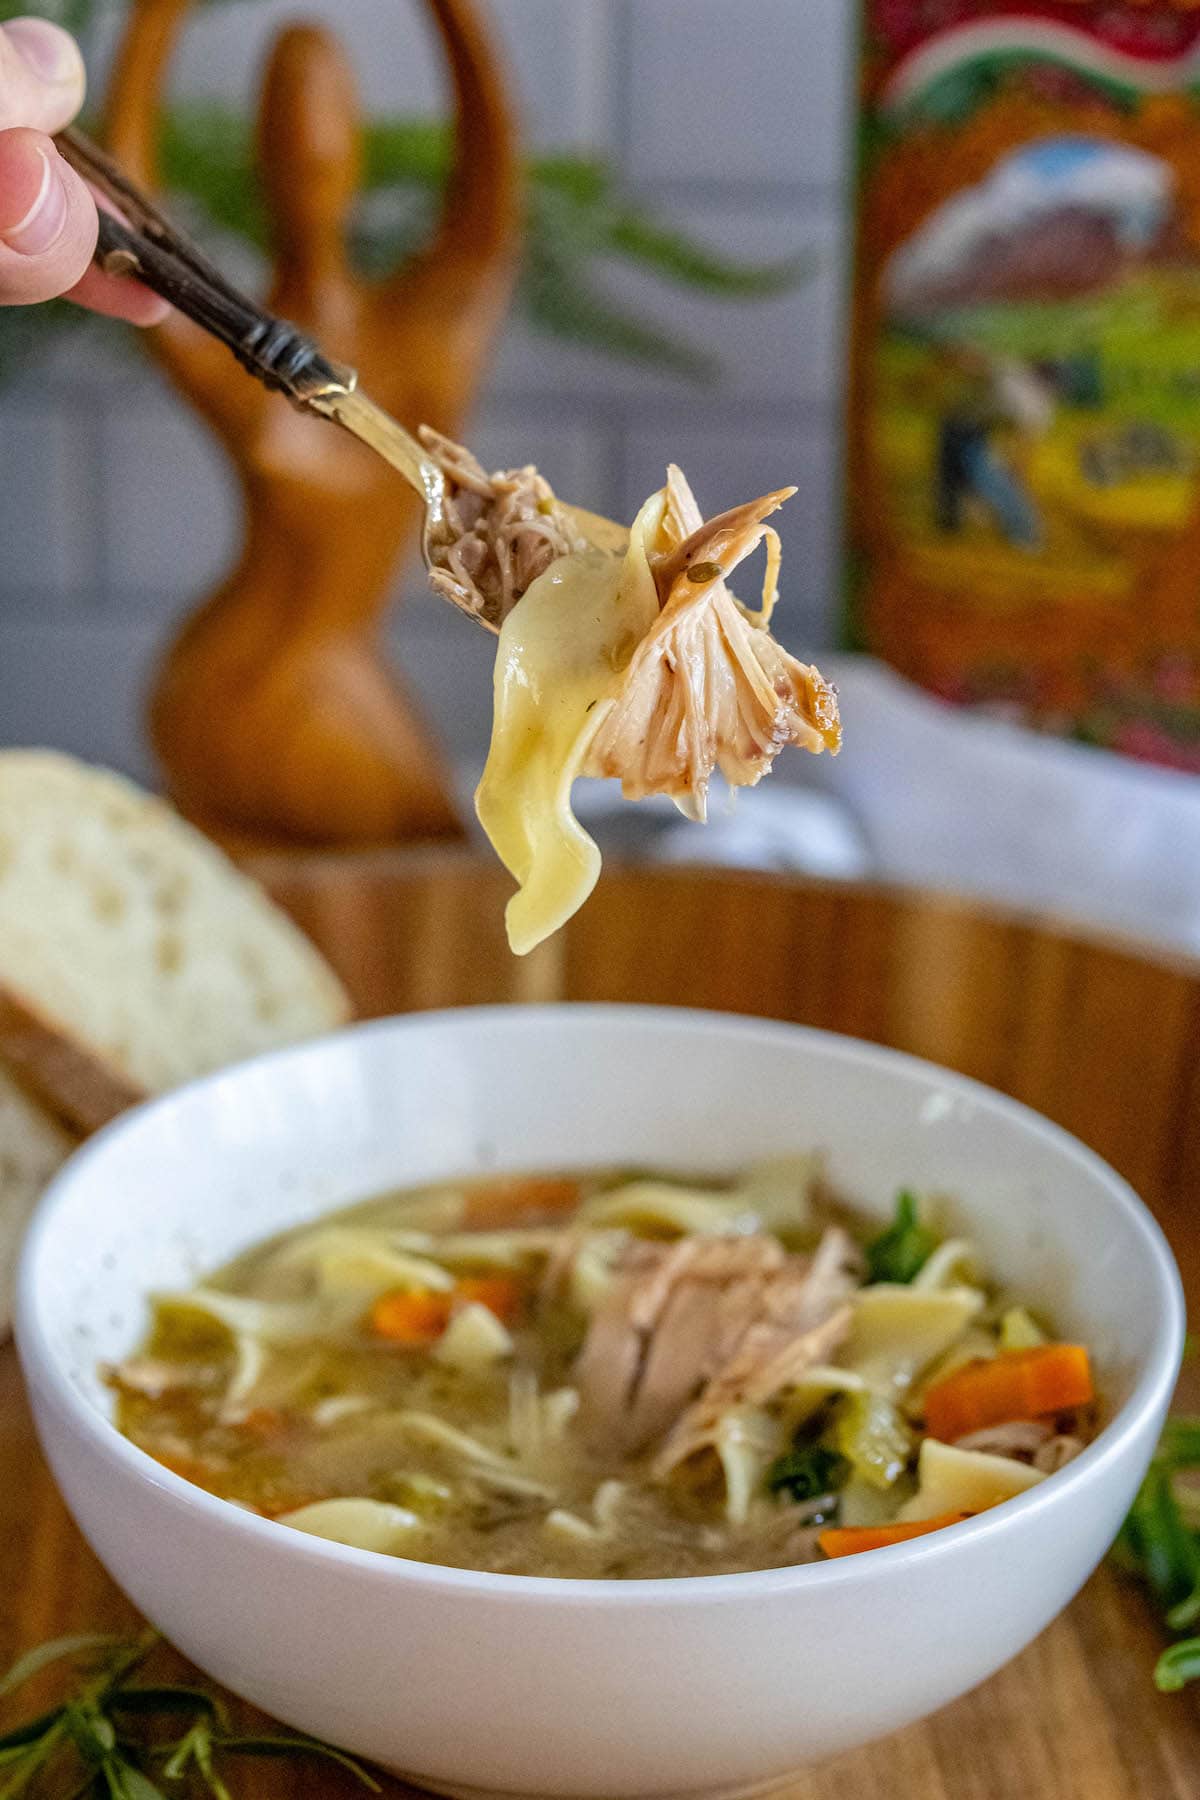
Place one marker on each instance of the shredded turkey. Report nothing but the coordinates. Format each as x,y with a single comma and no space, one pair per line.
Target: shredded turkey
708,687
153,1376
803,1316
672,1313
1057,1452
690,1329
497,533
1020,1439
1029,1441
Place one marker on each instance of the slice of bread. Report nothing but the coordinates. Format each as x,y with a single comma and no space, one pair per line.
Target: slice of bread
133,955
32,1147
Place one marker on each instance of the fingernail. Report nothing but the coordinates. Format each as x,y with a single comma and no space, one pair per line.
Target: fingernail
49,51
43,223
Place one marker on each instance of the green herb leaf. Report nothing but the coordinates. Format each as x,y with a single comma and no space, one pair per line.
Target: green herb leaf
73,14
169,1697
83,1731
196,1749
807,1473
21,1735
1180,1443
20,1779
206,153
191,1747
92,1785
901,1252
91,1732
400,151
16,1753
296,1746
34,1757
204,1762
1177,1666
34,1661
81,1726
125,1781
1168,1552
633,234
560,300
586,181
1185,1612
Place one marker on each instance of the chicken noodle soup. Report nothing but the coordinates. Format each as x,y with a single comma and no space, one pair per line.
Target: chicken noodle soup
614,1375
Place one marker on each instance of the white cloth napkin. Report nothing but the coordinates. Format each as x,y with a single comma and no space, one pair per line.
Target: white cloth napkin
950,799
781,828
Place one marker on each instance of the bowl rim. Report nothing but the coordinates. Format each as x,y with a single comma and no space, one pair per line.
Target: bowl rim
46,1377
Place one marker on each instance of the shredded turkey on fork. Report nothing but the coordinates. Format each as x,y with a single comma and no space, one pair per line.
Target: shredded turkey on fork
708,687
497,533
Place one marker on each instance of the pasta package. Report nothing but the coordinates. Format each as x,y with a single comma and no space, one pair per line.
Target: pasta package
1024,484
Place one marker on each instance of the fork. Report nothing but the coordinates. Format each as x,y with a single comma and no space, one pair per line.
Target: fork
144,243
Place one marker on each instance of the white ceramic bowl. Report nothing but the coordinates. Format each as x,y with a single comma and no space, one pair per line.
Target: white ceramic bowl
477,1683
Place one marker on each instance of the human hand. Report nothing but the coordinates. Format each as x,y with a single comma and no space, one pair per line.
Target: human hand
47,212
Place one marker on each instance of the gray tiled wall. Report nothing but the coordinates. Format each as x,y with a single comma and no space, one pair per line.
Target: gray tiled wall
116,511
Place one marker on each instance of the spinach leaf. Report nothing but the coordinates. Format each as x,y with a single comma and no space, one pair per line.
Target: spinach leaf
807,1472
900,1252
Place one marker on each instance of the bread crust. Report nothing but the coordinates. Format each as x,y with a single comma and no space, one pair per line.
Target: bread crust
133,953
79,1088
33,1146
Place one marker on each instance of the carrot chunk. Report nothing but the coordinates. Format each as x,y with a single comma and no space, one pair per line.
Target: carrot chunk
499,1293
417,1319
413,1319
848,1540
517,1200
191,1468
1017,1384
264,1422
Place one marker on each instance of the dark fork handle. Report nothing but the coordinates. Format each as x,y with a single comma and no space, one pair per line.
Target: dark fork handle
154,250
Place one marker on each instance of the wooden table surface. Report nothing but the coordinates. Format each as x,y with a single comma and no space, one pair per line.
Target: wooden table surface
1100,1037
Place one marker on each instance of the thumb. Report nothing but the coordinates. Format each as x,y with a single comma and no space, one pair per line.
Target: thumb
41,75
47,220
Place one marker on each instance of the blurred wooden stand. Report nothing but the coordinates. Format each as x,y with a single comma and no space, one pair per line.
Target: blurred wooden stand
275,717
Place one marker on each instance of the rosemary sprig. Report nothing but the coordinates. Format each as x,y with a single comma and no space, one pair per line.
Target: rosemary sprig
100,1742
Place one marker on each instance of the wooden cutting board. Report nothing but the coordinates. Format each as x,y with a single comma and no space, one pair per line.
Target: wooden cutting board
1105,1040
